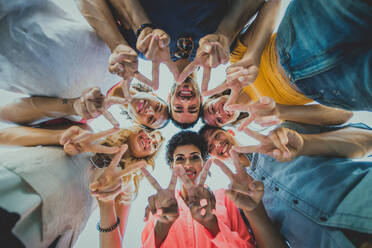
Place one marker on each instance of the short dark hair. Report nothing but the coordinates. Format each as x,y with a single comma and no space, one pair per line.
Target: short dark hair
185,138
183,125
203,132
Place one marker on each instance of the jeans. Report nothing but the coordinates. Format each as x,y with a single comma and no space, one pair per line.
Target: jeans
325,47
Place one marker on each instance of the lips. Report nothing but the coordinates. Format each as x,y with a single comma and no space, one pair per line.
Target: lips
185,91
224,149
190,172
141,106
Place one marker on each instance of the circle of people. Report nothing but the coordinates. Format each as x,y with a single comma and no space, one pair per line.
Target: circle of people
300,186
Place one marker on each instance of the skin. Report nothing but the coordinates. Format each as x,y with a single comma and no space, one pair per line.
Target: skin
216,115
185,102
143,144
189,157
220,143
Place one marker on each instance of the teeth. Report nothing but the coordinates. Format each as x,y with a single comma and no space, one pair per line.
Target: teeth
225,148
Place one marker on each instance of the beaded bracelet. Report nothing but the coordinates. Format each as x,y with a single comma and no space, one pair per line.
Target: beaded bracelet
142,27
109,229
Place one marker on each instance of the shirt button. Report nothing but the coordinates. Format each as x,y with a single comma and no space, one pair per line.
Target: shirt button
295,201
323,218
276,189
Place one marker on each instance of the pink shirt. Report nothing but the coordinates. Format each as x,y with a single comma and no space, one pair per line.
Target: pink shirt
187,232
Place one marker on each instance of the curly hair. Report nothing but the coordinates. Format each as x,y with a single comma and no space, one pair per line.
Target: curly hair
185,138
227,92
204,132
117,139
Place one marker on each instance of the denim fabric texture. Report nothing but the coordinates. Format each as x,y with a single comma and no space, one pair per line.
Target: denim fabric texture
182,17
310,199
325,48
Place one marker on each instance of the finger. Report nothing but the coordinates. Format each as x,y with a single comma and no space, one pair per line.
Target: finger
223,53
255,135
106,195
124,56
133,167
126,88
155,75
206,78
237,107
262,120
153,47
236,160
173,69
71,149
104,149
216,90
184,178
109,101
102,134
69,133
274,137
173,181
213,58
116,159
204,172
151,179
246,149
111,119
152,204
143,78
233,68
83,136
233,97
224,168
164,40
92,110
235,75
246,122
144,43
190,68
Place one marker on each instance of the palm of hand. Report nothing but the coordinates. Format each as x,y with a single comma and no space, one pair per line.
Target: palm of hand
166,201
123,61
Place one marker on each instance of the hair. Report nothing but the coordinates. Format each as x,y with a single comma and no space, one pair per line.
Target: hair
227,92
203,132
119,138
185,138
178,124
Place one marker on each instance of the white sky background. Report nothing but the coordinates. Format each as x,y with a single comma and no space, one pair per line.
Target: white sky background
90,236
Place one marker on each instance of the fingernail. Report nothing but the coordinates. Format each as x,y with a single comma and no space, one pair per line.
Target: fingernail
203,212
241,79
245,71
159,211
203,202
213,211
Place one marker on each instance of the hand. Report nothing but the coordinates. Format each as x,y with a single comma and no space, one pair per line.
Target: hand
76,140
163,204
107,196
283,144
213,50
201,200
112,175
239,75
92,103
154,44
124,62
244,191
263,112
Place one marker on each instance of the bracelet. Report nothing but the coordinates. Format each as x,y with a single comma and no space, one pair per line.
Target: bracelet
109,229
142,27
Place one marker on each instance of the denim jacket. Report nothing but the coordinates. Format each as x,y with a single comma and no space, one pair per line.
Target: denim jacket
311,198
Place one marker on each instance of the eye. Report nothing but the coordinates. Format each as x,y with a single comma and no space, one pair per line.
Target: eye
155,145
219,121
218,136
157,107
213,109
180,159
150,119
195,157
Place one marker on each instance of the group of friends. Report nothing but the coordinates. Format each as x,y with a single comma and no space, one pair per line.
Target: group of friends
300,186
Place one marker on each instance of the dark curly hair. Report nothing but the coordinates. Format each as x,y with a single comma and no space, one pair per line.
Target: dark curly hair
185,138
203,132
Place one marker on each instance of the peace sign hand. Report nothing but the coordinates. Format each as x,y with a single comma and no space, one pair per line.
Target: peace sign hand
201,200
283,144
124,62
92,103
213,50
163,204
263,112
244,191
154,44
112,175
76,140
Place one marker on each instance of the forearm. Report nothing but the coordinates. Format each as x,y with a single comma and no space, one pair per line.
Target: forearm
161,232
27,110
108,218
122,210
259,33
27,136
315,114
236,17
99,16
264,232
347,142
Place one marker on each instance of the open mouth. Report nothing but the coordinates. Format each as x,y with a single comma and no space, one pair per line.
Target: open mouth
224,149
141,105
186,91
191,173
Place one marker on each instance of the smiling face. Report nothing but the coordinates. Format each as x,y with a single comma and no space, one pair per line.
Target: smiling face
148,110
219,143
185,102
215,115
190,158
143,144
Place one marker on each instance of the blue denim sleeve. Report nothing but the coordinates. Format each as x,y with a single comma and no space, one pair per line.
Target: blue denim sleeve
313,129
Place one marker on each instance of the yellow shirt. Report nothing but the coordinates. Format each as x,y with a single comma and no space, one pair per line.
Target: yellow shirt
269,81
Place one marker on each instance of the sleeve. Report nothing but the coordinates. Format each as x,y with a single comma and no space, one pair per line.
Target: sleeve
148,234
233,231
314,129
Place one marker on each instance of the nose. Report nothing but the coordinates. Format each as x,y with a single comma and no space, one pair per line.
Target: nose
184,99
150,110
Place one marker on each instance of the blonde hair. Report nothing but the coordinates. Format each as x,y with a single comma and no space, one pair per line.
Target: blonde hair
119,138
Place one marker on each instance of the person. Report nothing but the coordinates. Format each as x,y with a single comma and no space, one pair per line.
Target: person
145,107
215,218
312,180
285,72
200,32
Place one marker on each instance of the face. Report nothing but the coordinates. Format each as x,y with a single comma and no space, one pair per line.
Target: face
215,115
143,143
148,110
189,157
185,102
220,143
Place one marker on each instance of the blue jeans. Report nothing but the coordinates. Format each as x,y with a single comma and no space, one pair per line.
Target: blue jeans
325,47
